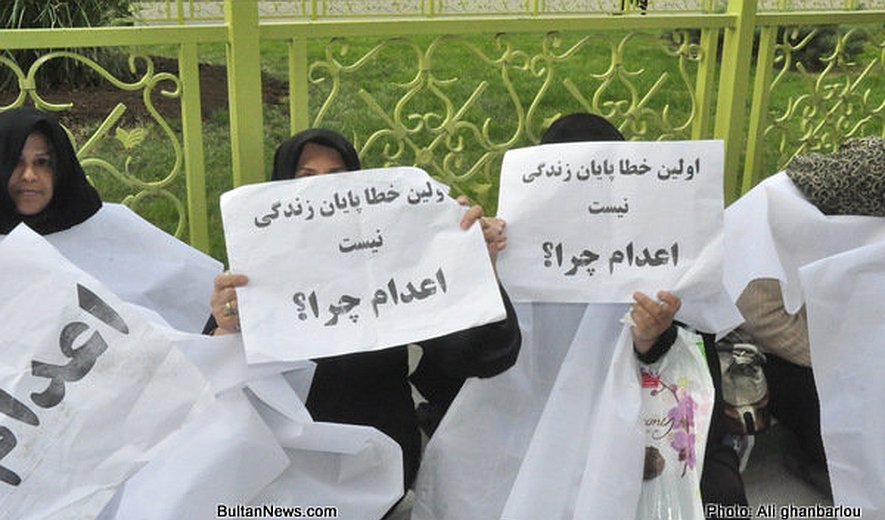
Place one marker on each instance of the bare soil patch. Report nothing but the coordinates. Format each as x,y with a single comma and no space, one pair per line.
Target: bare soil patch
94,103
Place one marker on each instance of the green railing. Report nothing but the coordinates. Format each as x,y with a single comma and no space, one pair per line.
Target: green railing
186,11
450,85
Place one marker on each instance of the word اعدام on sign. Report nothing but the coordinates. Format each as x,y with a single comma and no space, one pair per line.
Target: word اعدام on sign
82,359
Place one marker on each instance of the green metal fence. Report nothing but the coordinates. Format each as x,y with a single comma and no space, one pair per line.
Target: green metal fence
450,85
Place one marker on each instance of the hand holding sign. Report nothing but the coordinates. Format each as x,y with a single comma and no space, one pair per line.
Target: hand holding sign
492,228
651,318
224,302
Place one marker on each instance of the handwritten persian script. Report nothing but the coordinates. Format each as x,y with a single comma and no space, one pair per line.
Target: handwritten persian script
594,222
88,386
353,262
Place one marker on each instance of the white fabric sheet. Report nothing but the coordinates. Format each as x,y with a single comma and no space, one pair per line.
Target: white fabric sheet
586,453
472,460
773,230
846,327
119,387
261,451
142,264
225,453
354,468
525,443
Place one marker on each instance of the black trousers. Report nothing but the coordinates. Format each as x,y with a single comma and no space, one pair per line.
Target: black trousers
721,481
794,401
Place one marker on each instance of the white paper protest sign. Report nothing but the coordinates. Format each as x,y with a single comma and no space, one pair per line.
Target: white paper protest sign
594,222
88,388
353,262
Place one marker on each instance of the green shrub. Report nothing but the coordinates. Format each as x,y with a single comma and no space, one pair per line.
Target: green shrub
23,14
811,55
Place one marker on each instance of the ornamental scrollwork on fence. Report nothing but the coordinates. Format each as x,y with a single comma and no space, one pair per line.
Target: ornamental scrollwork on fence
111,148
628,97
456,108
423,120
19,83
837,102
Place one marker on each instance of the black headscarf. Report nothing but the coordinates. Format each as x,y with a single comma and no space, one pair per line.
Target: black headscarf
286,158
73,201
580,127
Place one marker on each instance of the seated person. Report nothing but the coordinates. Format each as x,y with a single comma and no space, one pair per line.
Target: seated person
844,183
372,388
655,332
47,190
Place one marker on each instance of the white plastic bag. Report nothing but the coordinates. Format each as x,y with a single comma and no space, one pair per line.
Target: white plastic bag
677,402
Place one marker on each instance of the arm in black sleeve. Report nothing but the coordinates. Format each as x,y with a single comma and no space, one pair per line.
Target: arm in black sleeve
661,346
482,351
447,361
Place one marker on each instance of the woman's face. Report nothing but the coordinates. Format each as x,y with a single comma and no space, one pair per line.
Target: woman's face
317,159
31,183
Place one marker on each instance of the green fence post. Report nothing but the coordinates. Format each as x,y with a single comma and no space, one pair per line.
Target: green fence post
244,91
705,83
192,135
731,105
299,116
759,108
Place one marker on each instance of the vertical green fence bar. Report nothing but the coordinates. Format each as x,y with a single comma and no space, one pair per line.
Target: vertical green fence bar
731,103
299,115
759,108
244,91
705,83
179,11
192,135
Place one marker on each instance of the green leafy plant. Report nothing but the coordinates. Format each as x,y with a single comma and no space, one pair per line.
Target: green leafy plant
814,55
815,49
58,14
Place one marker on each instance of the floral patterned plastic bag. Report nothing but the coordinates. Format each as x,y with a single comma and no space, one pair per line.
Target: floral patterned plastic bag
677,401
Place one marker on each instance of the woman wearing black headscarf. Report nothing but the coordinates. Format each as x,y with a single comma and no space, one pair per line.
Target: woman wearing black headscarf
46,189
721,482
372,388
45,186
